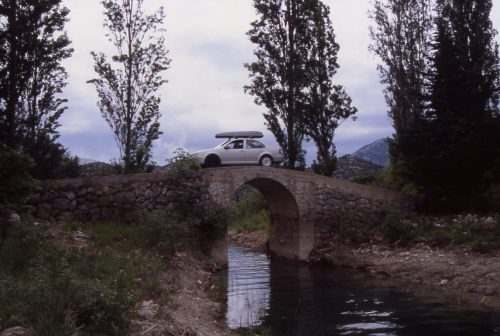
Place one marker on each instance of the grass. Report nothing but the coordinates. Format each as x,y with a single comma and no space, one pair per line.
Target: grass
251,214
54,288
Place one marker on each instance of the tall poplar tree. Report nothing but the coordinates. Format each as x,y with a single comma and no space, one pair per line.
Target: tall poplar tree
282,35
326,105
126,91
453,152
33,46
402,39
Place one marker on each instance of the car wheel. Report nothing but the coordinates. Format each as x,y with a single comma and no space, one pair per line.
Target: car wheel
266,161
212,161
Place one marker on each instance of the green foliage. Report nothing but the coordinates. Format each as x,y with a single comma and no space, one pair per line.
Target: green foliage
395,228
444,98
16,184
392,177
327,105
182,164
458,230
251,214
126,94
365,179
157,232
54,289
52,160
258,221
32,46
402,40
279,75
139,162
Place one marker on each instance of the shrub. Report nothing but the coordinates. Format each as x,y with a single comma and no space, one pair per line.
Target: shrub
158,232
182,164
251,214
16,184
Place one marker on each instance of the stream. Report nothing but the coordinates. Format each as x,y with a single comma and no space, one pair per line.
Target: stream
279,297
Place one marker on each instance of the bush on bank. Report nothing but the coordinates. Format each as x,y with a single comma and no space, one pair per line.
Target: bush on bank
482,234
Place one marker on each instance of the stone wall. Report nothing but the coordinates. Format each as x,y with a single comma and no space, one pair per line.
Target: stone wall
338,209
103,197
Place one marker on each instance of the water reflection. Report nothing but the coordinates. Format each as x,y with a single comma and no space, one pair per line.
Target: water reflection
296,300
248,287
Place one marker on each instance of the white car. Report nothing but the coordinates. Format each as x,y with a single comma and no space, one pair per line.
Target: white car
241,148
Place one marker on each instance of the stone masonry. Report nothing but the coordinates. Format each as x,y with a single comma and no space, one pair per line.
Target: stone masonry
104,197
338,209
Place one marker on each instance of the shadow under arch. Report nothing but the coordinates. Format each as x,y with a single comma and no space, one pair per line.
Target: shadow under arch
286,230
281,202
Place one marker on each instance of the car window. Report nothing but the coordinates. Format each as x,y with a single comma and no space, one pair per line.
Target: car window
238,144
251,144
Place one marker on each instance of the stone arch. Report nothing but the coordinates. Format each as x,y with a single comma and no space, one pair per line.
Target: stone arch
282,204
291,200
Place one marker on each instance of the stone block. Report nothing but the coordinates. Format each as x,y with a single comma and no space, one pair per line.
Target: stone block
104,201
82,192
125,197
162,200
71,195
138,192
148,194
34,199
46,196
60,203
319,209
73,205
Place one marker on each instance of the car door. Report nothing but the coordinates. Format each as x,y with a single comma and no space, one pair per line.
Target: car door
233,152
253,150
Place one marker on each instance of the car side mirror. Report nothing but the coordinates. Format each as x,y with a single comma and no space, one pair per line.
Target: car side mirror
227,147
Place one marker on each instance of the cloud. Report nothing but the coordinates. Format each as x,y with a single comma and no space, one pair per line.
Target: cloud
208,45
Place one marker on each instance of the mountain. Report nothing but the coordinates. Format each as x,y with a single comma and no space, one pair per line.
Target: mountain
376,152
350,166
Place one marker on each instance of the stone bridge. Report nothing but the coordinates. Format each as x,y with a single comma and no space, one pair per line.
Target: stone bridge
305,208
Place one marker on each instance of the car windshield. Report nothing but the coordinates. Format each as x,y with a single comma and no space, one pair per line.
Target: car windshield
225,142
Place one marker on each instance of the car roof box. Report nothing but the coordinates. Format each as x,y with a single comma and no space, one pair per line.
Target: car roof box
243,134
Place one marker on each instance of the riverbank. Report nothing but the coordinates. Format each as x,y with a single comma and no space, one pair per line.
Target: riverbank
194,305
472,278
93,278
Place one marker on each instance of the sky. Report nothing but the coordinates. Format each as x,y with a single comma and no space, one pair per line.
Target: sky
208,45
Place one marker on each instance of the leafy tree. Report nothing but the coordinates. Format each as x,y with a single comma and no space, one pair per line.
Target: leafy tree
32,47
282,35
452,151
30,64
126,94
402,39
327,105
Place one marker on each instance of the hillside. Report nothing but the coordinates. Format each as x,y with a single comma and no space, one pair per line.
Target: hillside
376,152
350,166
